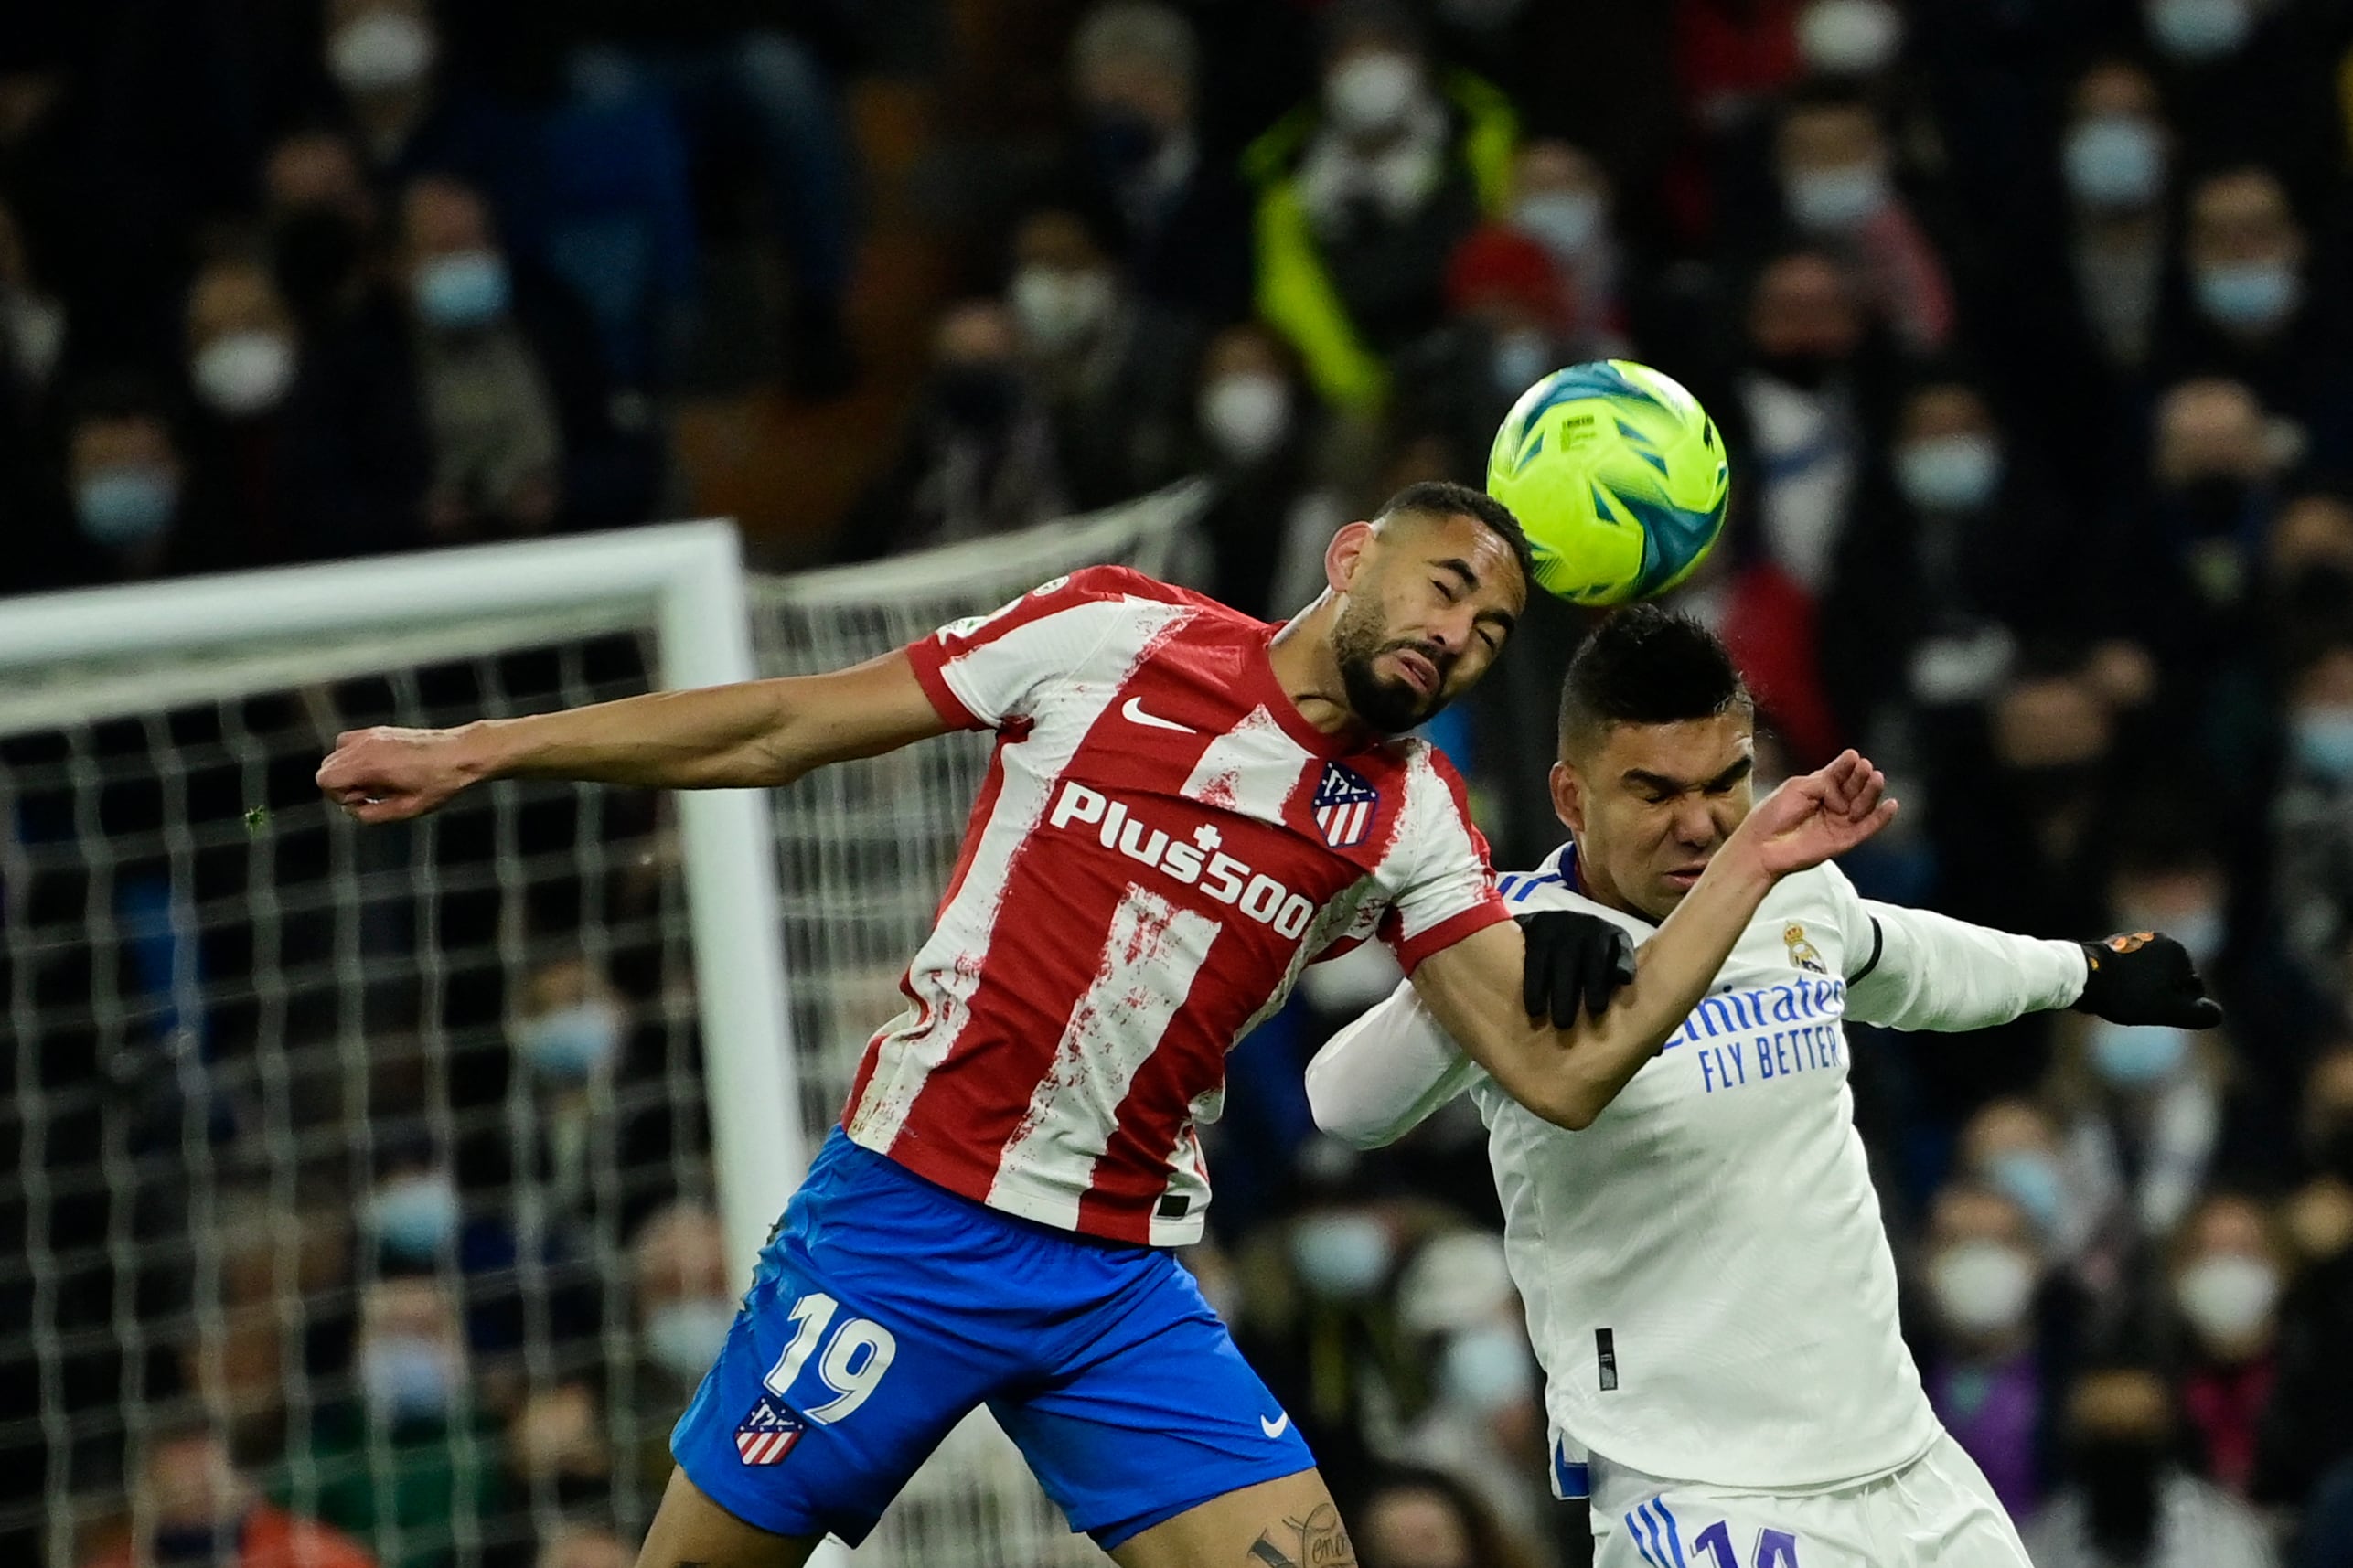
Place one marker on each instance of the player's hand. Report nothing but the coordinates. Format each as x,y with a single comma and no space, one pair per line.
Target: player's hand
1574,960
1816,817
389,775
2145,977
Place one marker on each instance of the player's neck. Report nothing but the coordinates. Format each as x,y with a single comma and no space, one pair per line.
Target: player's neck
1596,884
1309,671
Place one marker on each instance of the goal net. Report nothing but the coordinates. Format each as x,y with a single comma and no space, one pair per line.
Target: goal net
403,1156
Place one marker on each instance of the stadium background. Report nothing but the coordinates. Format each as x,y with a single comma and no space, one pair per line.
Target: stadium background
385,1198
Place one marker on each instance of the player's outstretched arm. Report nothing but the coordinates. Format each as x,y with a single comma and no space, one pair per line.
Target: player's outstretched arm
1569,1076
753,735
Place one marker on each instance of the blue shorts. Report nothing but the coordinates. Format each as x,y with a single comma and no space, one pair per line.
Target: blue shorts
886,1308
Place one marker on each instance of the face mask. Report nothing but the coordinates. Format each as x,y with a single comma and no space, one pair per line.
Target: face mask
571,1043
244,372
1485,1370
2135,1056
1836,200
379,52
1058,309
2115,160
407,1377
1518,360
2228,1297
1342,1257
684,1337
2252,294
2199,29
1981,1287
414,1217
2031,1181
1563,221
1246,414
1371,91
2323,741
2119,1477
125,504
1949,473
463,290
1849,38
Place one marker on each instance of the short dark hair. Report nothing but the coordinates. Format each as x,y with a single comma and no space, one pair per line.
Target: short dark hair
1643,665
1445,498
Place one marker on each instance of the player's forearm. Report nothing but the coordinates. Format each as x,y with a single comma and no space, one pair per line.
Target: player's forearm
720,737
1383,1075
1933,972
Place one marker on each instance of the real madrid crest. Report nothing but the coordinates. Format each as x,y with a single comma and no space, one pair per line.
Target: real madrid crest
1802,951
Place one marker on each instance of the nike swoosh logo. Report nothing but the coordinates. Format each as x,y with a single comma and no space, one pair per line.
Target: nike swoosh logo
1276,1428
1135,714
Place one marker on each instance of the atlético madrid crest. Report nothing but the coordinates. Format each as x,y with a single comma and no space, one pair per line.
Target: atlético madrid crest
1344,804
766,1434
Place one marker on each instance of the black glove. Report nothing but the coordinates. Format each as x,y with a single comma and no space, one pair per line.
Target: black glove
2145,977
1574,960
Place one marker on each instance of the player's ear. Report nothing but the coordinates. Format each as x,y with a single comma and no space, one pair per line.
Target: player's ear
1568,799
1347,553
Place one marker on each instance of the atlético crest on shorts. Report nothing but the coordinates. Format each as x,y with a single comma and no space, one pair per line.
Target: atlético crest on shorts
766,1434
1344,804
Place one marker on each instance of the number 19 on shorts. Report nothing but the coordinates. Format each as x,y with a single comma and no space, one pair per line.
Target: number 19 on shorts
850,1360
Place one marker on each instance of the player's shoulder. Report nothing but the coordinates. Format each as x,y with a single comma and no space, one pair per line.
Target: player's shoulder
1552,885
1125,583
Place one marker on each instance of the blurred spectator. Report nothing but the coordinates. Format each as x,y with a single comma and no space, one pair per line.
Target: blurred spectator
1256,431
584,1546
412,1217
190,1505
129,512
1506,328
558,1452
323,225
2229,1264
2142,1109
1934,584
2313,816
979,455
685,1296
1114,368
2117,158
2001,1338
470,406
1432,1519
2194,550
1175,204
2128,1503
1562,198
569,1035
1362,195
2254,315
2235,78
32,328
1838,187
2012,1146
756,84
242,354
2318,1217
412,1454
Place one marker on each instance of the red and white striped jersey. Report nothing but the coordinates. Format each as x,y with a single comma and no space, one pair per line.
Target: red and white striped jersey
1163,843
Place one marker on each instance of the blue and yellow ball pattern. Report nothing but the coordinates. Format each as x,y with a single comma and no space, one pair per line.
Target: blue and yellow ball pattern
1618,476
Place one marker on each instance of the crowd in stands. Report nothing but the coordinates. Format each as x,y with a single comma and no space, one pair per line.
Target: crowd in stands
2025,324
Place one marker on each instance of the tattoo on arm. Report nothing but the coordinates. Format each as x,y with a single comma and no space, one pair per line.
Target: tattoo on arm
1319,1540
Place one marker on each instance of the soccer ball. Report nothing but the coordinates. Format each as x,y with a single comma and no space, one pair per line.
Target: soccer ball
1618,476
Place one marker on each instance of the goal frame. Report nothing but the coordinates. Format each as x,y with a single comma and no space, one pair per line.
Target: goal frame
690,577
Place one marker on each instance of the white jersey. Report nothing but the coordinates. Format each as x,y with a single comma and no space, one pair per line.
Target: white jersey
1708,1281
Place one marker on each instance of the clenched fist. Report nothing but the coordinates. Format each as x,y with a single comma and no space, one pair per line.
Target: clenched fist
389,775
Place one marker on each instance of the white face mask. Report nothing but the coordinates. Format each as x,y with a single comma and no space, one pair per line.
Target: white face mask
244,372
2115,161
1981,1287
1563,221
1372,92
570,1044
1836,200
1058,309
1246,414
683,1338
1956,473
1341,1256
1849,38
1486,1369
414,1217
2199,29
407,1376
2227,1296
379,52
1520,360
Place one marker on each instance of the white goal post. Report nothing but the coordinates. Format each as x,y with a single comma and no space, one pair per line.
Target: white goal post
328,620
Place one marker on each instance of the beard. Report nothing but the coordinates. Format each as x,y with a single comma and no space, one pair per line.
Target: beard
1389,705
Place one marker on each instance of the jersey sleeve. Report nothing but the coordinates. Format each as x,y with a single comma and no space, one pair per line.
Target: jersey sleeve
1916,969
1381,1076
990,670
1443,889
